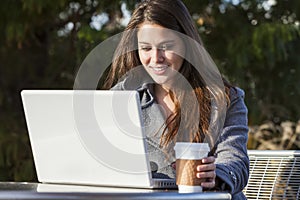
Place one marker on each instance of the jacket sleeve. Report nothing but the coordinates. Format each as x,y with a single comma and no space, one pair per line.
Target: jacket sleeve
232,162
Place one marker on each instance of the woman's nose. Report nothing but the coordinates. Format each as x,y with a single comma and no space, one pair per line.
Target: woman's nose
157,55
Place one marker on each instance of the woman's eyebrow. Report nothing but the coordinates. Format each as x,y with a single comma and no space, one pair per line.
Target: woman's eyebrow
162,42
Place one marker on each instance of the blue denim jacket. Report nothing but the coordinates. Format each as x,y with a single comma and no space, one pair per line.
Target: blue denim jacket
232,162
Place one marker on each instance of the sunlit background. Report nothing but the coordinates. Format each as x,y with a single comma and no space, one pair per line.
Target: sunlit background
255,44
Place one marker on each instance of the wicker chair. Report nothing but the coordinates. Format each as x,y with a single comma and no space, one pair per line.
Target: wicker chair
274,175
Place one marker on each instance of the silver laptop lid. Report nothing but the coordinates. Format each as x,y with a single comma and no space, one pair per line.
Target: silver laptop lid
87,137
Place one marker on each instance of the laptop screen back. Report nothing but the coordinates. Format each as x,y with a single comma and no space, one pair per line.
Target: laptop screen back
87,137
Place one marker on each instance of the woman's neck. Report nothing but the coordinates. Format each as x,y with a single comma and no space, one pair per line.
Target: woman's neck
163,98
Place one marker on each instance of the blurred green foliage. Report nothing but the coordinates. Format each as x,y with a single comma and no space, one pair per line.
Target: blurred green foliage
256,45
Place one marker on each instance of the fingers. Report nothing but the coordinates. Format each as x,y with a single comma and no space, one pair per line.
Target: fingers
209,178
210,159
210,175
207,172
173,165
209,183
207,164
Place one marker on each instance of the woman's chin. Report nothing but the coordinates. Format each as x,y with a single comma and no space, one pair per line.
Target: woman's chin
160,80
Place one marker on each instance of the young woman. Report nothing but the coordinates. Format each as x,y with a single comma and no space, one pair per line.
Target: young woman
162,57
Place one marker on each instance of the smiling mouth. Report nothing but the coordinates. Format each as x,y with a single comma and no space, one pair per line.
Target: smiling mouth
159,69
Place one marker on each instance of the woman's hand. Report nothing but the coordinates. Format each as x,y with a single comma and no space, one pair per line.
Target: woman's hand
207,171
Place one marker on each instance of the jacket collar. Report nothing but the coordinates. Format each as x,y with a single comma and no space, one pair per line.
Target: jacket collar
139,80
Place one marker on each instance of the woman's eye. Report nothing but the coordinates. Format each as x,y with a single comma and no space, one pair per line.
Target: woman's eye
166,47
145,48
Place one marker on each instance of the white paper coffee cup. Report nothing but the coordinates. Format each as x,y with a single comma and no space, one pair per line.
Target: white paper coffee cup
189,189
188,156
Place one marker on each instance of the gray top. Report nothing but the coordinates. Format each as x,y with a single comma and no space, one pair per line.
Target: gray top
232,161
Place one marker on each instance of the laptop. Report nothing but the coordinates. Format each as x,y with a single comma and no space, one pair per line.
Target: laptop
89,137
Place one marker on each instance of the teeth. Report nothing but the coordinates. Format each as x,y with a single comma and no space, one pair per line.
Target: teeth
159,68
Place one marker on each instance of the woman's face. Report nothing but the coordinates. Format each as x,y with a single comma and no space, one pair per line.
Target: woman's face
159,49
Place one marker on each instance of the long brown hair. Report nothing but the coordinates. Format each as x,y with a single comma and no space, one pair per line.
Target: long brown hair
171,14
